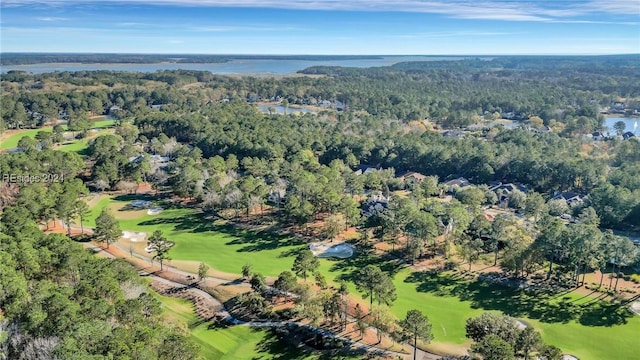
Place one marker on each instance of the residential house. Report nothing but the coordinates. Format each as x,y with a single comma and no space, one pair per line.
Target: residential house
503,190
324,103
277,197
572,199
157,107
455,134
455,184
617,107
155,161
598,136
410,178
113,110
374,203
365,169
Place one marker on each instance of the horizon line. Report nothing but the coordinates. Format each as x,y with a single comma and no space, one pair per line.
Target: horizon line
300,54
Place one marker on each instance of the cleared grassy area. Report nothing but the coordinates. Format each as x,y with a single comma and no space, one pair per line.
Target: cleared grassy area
77,146
236,342
196,238
578,324
11,141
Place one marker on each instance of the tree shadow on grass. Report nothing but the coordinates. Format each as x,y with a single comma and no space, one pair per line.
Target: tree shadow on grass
538,305
276,347
364,256
251,240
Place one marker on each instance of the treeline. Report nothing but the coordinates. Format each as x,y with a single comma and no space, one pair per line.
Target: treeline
35,58
563,91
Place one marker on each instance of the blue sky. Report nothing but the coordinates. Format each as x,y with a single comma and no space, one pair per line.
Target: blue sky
322,27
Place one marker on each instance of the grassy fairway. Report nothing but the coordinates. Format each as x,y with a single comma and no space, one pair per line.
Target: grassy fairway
580,325
11,141
224,248
237,342
78,146
234,342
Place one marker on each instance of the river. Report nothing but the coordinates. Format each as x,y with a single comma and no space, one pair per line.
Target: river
235,66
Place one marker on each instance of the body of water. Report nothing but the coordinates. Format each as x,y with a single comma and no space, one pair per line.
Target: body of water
238,66
280,109
632,124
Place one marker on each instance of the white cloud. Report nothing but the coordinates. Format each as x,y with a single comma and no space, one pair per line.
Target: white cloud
505,10
445,34
51,19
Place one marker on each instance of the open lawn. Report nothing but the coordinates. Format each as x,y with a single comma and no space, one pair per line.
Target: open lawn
581,325
11,141
78,146
233,342
236,342
196,238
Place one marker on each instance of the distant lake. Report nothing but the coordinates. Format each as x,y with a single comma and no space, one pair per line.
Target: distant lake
608,123
237,66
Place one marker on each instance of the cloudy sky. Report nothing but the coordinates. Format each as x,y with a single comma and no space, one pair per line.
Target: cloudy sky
322,26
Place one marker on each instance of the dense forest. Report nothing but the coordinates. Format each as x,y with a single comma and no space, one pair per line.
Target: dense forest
59,301
382,123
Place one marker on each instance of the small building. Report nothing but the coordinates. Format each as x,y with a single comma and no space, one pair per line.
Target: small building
365,169
628,135
503,190
455,184
598,136
157,107
455,134
375,202
410,178
277,197
572,199
113,110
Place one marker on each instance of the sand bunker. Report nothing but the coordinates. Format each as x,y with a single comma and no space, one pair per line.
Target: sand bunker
342,250
134,236
155,211
140,203
635,307
569,357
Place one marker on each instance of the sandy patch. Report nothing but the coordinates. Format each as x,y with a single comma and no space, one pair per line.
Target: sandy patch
134,236
155,211
635,307
141,203
341,251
